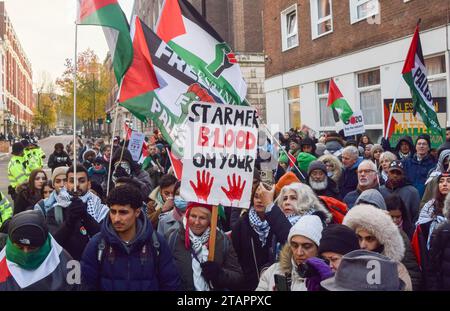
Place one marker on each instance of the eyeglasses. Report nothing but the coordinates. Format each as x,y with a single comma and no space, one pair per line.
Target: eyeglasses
366,171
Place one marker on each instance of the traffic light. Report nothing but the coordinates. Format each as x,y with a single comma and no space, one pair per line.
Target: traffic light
108,118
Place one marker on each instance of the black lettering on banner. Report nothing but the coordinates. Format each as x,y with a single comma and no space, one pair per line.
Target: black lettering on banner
194,111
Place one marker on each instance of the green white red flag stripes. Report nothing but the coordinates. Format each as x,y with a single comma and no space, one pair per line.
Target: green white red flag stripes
415,74
107,13
201,47
337,102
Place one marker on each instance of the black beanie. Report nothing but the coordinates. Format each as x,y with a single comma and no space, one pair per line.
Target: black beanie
317,165
28,228
338,239
17,148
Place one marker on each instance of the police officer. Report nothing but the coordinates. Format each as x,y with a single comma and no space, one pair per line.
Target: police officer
17,169
6,212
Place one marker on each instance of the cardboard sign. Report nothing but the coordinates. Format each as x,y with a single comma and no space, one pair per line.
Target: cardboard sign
355,125
219,155
404,123
135,144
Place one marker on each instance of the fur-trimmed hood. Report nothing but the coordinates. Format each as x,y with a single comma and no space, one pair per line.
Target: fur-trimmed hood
286,259
337,172
380,224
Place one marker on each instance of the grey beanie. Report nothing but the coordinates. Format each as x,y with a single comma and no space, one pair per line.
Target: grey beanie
372,197
317,165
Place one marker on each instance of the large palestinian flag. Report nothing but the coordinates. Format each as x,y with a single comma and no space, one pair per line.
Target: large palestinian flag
160,84
107,13
415,75
200,46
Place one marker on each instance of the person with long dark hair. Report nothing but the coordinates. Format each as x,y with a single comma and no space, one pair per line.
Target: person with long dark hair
28,194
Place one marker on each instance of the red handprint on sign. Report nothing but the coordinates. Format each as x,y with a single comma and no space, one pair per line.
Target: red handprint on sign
236,190
204,185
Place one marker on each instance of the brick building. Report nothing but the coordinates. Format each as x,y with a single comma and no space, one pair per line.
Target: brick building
362,44
16,80
239,23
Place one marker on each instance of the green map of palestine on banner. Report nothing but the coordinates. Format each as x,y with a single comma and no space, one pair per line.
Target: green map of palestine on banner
404,123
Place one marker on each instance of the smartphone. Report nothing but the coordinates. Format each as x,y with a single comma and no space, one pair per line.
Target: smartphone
282,283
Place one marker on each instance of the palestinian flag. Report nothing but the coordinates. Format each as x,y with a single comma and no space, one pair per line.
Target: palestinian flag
107,13
189,35
415,75
50,275
176,163
338,103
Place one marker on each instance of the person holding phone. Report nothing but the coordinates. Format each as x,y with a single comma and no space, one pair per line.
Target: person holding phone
297,260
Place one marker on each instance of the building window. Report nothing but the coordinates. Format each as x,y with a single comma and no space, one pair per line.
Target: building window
370,97
362,9
437,75
321,18
293,100
289,28
326,113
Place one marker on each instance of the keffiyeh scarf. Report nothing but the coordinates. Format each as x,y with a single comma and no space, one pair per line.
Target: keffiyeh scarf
95,208
427,215
262,228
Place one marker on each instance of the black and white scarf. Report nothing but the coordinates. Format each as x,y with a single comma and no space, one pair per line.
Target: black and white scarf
262,228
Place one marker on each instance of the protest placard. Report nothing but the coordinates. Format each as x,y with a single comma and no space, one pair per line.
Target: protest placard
219,155
135,144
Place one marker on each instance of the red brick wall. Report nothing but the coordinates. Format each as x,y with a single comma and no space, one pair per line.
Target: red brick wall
398,20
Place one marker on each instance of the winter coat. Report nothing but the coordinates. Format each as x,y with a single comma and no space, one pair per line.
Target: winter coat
59,159
51,275
410,197
417,171
380,225
251,254
24,199
337,172
440,259
267,280
154,207
97,176
231,275
349,178
410,263
133,266
75,237
407,139
168,224
354,196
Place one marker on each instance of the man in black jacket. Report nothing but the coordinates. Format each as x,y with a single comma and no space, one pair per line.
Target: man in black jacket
320,183
59,157
77,214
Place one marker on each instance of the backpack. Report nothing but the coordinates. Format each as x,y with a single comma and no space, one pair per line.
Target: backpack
337,208
109,253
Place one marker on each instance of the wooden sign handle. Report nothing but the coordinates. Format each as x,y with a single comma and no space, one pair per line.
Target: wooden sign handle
212,236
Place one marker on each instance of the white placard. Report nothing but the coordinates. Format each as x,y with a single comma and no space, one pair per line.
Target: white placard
219,155
135,144
354,125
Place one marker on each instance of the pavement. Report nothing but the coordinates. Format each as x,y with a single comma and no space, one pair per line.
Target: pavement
47,144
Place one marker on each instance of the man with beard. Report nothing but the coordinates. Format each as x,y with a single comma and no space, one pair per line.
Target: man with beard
367,179
397,183
319,181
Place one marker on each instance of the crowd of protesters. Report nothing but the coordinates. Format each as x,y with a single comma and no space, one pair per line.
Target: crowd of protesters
321,210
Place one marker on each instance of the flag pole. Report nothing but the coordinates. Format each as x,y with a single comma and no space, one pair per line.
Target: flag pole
112,148
75,111
386,134
281,148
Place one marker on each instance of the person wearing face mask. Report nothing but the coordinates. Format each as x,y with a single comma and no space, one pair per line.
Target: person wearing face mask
172,220
161,200
58,182
124,166
32,259
300,251
30,193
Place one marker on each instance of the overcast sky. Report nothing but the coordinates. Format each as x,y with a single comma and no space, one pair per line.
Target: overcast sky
46,31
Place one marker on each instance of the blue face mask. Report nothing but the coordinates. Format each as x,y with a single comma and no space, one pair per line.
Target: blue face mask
330,174
180,203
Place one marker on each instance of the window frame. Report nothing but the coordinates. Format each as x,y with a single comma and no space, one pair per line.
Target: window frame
354,4
289,102
439,76
318,98
284,35
370,88
315,21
